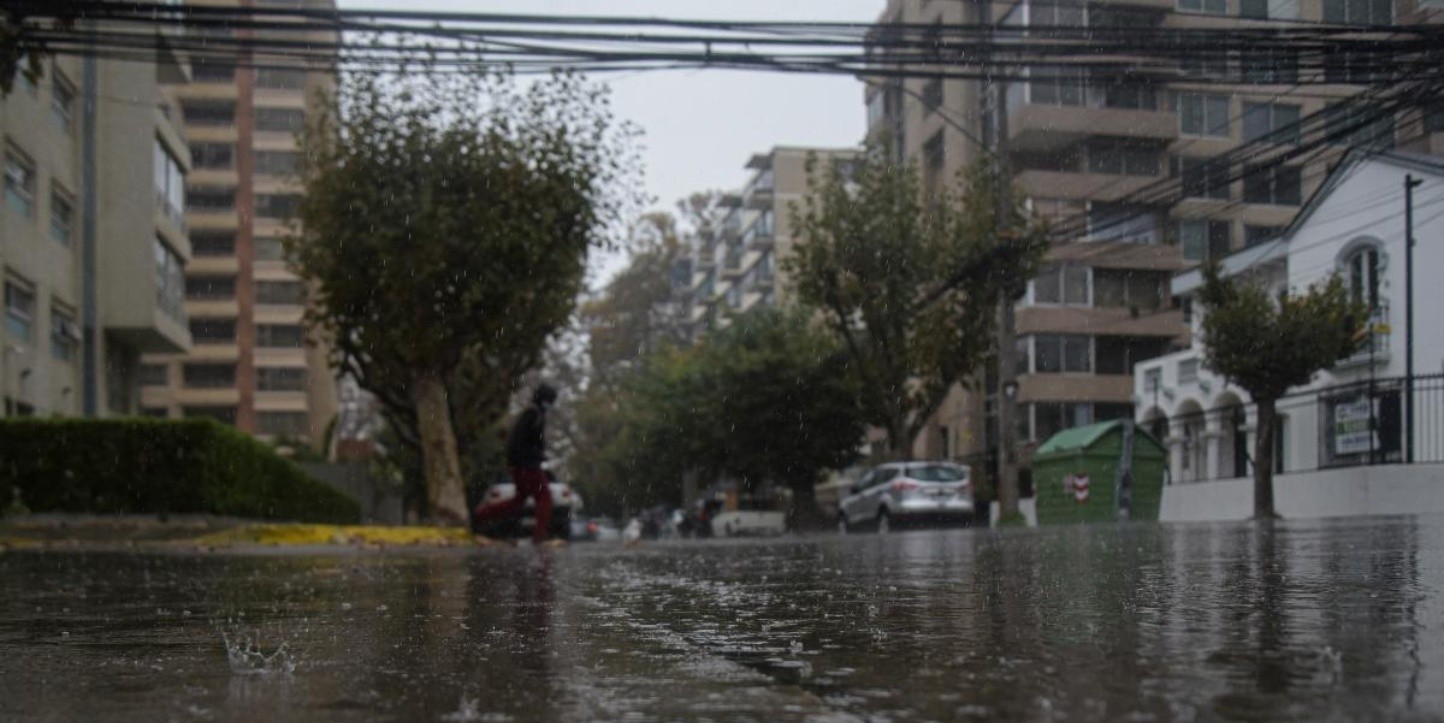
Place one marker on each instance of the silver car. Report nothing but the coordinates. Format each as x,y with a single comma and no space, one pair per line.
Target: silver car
902,493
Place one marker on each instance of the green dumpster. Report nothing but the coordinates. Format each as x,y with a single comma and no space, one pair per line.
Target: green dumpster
1075,474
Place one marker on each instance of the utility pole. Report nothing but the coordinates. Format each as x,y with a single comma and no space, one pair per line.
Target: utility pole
1410,183
1007,482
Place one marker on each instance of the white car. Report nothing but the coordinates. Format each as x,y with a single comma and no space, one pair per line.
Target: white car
565,503
903,493
753,517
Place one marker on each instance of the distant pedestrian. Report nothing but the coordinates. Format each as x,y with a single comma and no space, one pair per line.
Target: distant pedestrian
525,453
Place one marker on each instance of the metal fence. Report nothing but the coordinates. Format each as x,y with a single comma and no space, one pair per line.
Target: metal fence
1347,425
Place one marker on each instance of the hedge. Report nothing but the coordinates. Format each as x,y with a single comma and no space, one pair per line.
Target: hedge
156,466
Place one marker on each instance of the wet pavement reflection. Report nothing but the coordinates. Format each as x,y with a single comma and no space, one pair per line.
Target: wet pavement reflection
1302,620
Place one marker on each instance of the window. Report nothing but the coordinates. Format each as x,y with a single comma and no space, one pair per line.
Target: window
1269,9
1152,379
154,375
209,112
1128,95
224,415
1276,121
62,217
170,181
213,70
64,334
282,424
1205,65
1211,7
1203,114
1255,235
1116,222
19,182
19,309
1118,354
1122,159
170,281
280,120
268,248
1270,66
279,292
209,376
210,287
1356,68
209,199
280,78
62,104
279,205
276,163
1203,177
1344,126
1050,418
213,155
1057,87
1055,353
1061,284
1359,12
932,95
213,244
1187,371
1055,14
1202,240
213,331
1127,288
1434,118
280,379
1362,269
1278,185
285,336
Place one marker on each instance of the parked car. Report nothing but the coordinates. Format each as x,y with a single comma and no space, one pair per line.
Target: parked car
753,517
908,493
566,503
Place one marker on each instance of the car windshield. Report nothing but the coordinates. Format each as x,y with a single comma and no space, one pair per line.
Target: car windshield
936,473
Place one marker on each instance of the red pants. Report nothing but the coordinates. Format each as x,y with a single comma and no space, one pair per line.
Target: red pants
529,481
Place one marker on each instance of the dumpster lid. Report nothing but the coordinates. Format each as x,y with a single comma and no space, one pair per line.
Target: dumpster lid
1077,437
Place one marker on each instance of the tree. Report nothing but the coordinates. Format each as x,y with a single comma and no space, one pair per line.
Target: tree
908,281
775,405
446,223
1266,344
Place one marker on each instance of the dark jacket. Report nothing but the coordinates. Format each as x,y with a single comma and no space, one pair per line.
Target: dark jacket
527,446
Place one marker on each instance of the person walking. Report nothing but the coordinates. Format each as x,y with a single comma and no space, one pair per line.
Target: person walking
525,453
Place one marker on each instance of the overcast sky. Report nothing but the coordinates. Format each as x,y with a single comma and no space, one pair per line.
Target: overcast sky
701,126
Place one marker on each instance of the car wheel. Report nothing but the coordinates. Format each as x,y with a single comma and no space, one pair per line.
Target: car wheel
884,523
842,524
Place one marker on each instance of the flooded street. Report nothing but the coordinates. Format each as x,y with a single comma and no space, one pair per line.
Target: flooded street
1307,621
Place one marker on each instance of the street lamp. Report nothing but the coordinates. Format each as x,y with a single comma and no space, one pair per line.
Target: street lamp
1010,390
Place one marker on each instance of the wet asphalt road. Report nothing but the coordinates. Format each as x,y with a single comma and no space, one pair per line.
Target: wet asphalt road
1305,621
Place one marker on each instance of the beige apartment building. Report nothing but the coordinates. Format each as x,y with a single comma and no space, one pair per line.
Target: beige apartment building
92,236
1077,148
252,364
738,265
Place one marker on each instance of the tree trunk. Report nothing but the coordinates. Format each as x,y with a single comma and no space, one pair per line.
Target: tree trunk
805,513
445,496
1263,456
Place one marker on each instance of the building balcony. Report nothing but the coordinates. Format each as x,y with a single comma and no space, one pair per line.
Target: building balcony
203,396
1081,186
1037,128
759,235
1111,321
1075,387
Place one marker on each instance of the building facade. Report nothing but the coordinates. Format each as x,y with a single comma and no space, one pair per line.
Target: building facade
92,236
1077,147
738,264
1355,228
253,363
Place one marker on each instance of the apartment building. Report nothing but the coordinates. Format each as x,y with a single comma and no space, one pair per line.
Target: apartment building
1079,146
92,239
737,265
253,364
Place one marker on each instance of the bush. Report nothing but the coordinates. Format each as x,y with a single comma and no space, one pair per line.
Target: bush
155,466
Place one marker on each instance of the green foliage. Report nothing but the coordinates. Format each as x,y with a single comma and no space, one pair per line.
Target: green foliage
133,466
875,251
447,221
765,401
1267,344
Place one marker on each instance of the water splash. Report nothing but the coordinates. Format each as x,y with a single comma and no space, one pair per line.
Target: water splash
247,656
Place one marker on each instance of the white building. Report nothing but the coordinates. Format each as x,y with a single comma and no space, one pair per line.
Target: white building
1353,226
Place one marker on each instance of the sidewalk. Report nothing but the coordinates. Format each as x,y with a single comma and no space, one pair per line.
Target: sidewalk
206,532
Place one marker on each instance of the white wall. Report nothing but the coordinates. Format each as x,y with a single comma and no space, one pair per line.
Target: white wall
1352,491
